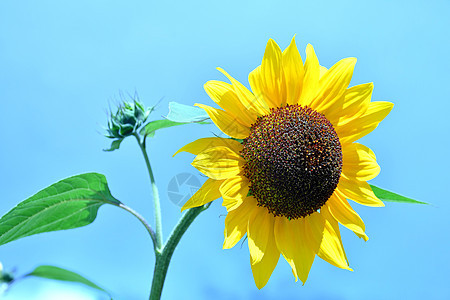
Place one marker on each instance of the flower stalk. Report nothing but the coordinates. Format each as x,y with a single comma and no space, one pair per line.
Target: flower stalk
156,202
163,254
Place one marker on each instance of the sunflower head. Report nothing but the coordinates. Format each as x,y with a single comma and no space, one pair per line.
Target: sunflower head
293,161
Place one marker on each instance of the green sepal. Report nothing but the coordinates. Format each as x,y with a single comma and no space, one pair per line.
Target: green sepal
114,145
389,196
113,128
238,140
70,203
56,273
126,129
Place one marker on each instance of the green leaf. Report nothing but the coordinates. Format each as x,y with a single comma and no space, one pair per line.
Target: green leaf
55,273
179,114
114,145
185,113
150,128
389,196
69,203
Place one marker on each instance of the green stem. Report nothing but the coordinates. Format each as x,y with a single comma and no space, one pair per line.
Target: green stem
163,258
140,218
156,204
163,254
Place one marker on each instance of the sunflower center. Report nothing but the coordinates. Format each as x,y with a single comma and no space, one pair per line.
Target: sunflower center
293,161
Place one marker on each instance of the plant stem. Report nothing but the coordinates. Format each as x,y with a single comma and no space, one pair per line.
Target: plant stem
163,258
143,221
156,204
163,254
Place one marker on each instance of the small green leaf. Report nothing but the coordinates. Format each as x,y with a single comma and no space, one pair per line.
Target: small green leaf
179,114
185,113
55,273
150,128
114,145
389,196
70,203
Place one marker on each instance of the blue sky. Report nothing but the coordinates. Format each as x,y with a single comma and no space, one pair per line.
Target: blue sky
63,63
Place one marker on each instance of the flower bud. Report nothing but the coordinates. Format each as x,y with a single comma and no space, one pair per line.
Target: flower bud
129,117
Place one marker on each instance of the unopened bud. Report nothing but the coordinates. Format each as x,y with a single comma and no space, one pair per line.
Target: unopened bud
127,120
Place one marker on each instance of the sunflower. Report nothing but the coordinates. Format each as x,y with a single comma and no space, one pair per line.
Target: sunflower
291,161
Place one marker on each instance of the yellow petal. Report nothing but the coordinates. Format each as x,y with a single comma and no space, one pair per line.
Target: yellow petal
264,268
331,248
272,76
200,145
219,163
257,86
249,101
314,224
260,226
365,124
226,122
292,242
311,78
358,191
356,102
236,222
207,193
223,94
332,86
234,190
323,70
359,162
293,73
341,210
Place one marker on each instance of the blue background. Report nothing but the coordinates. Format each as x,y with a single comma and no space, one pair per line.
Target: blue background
63,63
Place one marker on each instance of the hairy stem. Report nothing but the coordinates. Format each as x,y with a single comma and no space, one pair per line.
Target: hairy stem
156,204
163,258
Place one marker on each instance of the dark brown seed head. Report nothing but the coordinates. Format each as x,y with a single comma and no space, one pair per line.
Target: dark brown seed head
293,161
